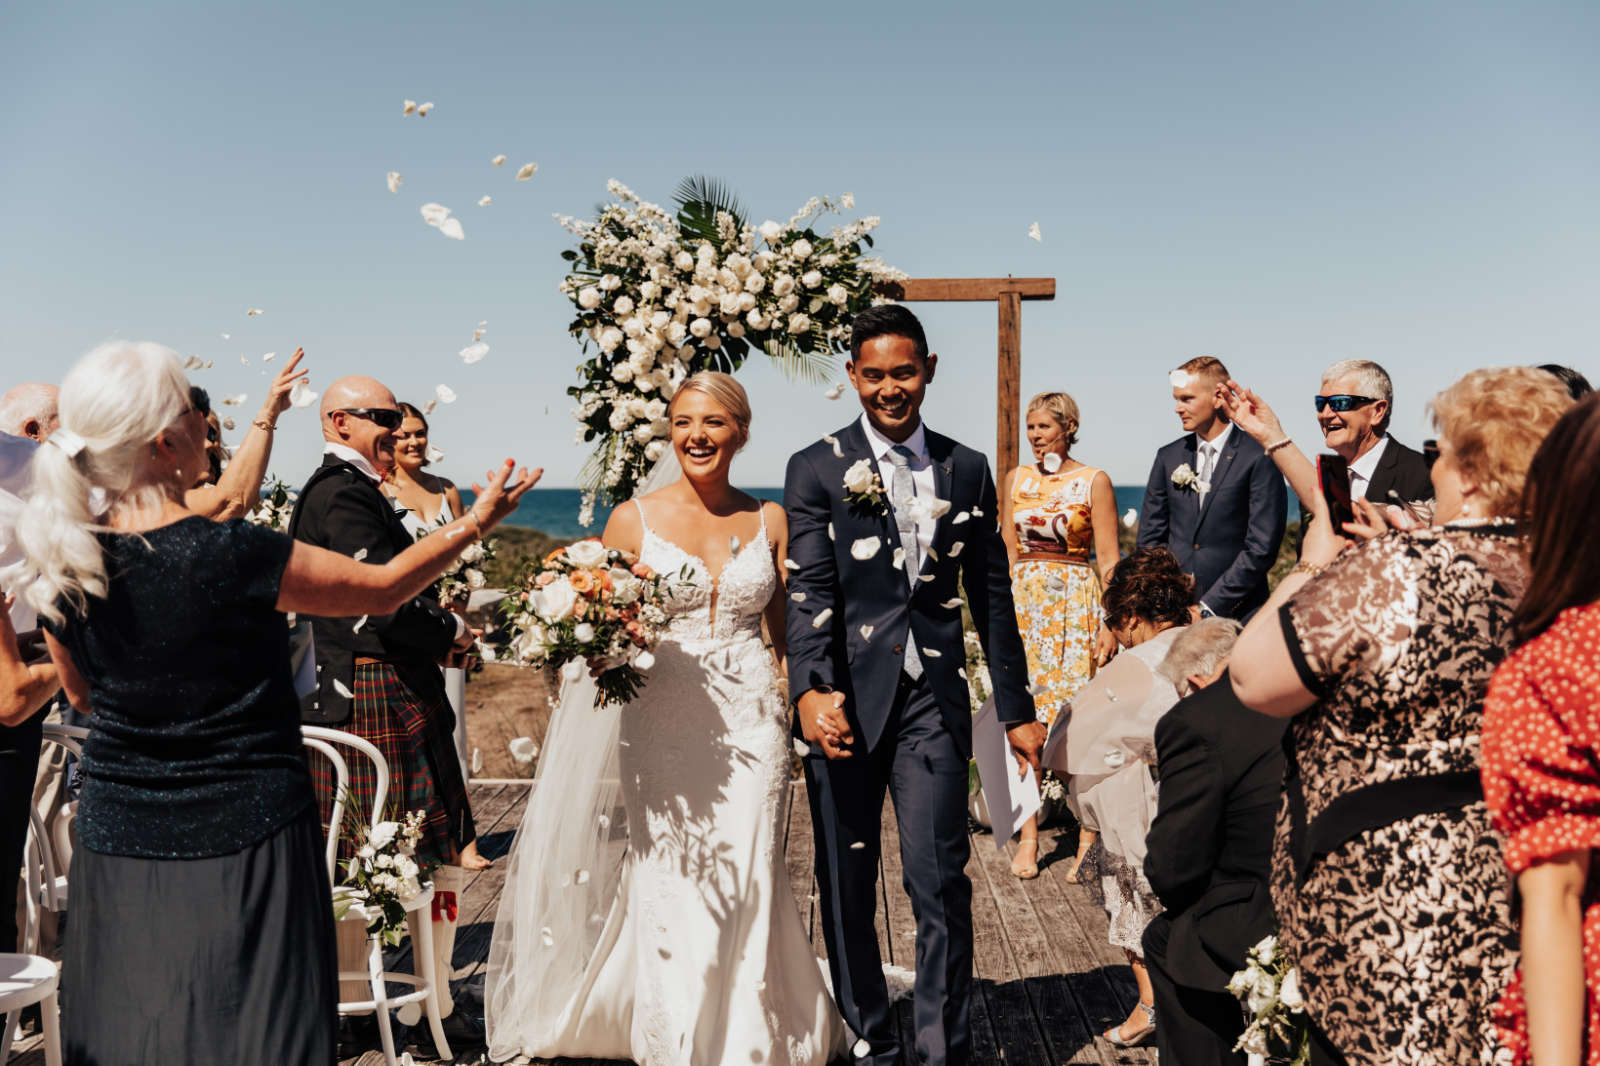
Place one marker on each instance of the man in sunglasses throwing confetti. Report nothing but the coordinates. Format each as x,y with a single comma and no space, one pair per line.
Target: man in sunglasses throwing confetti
380,677
1353,409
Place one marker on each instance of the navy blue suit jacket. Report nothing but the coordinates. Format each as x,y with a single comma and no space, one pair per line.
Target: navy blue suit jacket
1229,542
872,592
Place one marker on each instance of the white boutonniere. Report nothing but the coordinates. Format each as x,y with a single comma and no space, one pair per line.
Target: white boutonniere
1185,478
862,485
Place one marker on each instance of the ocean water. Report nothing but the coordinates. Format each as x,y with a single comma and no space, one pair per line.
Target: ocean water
555,511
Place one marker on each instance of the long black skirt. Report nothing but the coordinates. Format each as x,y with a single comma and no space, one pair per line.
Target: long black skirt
184,962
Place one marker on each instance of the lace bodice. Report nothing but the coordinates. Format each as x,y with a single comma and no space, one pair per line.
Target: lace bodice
703,606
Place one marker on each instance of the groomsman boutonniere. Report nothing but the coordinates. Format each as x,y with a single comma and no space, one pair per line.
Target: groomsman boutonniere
1185,478
862,485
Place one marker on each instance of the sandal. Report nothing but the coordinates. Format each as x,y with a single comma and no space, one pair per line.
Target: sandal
1026,871
1114,1037
1071,876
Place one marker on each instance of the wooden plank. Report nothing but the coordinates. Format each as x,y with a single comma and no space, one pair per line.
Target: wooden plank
897,936
1016,1033
797,859
1008,383
963,289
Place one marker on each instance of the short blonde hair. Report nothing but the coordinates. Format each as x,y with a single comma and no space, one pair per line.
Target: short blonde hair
1063,408
1494,420
725,392
1208,367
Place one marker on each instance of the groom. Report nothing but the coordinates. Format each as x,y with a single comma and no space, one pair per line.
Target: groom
885,517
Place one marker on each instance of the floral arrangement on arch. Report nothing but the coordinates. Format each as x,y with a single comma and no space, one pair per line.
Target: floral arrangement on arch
660,297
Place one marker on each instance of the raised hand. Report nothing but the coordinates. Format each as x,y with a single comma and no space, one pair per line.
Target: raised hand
1250,413
277,400
503,494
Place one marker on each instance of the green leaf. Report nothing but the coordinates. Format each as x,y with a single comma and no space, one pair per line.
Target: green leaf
699,199
812,368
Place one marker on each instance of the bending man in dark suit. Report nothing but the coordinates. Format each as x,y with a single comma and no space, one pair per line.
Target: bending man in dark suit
1215,500
888,522
380,678
1209,849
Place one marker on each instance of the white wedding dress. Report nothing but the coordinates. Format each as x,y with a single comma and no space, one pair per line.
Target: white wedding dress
703,957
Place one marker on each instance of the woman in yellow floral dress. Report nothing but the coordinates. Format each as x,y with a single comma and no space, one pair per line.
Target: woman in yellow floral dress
1051,513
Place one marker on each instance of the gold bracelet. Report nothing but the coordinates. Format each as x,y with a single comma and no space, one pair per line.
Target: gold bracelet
1275,445
262,423
1309,569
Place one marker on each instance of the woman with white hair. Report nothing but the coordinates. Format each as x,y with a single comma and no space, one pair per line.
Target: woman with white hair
201,927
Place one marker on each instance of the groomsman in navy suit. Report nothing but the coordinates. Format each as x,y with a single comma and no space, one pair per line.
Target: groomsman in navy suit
1215,498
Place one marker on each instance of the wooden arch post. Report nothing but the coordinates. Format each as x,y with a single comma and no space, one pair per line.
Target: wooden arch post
1008,294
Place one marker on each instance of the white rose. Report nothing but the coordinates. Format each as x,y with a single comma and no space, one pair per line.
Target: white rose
589,298
783,285
859,477
609,339
654,409
788,303
754,283
727,278
655,450
583,632
736,329
610,282
622,372
633,327
676,332
799,324
659,320
811,279
475,579
683,261
746,302
756,319
586,554
660,428
1289,993
1254,1041
770,230
1267,949
383,834
642,434
623,305
800,249
556,600
729,304
649,289
838,295
700,327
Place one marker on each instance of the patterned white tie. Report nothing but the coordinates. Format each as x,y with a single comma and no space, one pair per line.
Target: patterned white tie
1207,463
902,489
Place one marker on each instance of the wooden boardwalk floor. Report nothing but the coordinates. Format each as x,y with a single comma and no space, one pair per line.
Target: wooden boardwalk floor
1046,980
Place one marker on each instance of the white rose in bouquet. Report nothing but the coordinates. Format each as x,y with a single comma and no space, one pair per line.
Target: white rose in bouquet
837,295
783,285
649,290
610,338
736,329
1289,993
475,579
643,434
556,600
858,478
587,553
811,279
756,319
746,302
800,249
655,450
610,283
799,324
622,372
770,231
700,327
727,278
683,261
729,304
789,303
529,643
589,298
676,332
583,632
383,835
754,283
623,305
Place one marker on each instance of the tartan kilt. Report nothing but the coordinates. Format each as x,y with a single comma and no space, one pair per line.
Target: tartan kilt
411,725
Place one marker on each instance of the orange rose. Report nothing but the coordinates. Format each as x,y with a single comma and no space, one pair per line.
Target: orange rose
583,582
640,570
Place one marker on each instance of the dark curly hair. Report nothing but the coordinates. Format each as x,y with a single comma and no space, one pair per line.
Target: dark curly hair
1149,586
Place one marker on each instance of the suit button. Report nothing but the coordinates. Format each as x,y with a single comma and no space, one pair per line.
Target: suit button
1196,545
899,649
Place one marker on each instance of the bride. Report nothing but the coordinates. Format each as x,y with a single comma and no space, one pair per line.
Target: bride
675,939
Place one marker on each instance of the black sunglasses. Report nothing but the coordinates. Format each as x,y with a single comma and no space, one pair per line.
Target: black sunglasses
387,417
199,400
1343,402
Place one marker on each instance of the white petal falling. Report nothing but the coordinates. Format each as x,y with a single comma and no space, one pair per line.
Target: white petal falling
830,531
485,201
964,516
644,661
962,673
498,161
473,352
410,108
866,632
244,360
790,564
859,846
581,877
342,689
433,454
952,604
269,357
451,227
209,363
524,750
227,423
1178,378
359,623
865,548
898,560
822,618
253,312
234,401
301,395
837,451
930,653
526,171
1130,517
955,549
227,336
834,391
801,748
395,181
477,334
733,545
977,512
933,554
477,761
928,508
194,362
433,214
428,407
1033,232
798,597
1051,462
423,109
924,577
361,553
445,393
547,937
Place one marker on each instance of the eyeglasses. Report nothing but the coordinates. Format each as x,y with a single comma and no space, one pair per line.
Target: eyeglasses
387,417
1343,402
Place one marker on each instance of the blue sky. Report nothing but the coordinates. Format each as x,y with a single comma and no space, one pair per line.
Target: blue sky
1278,185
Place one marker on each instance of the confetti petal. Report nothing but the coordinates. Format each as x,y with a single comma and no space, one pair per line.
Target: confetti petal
899,558
605,821
837,451
866,632
830,531
234,401
581,877
955,549
964,516
244,360
194,362
227,336
428,407
548,937
423,109
498,161
253,312
1179,378
342,689
858,846
865,548
952,604
485,201
930,653
835,391
524,750
445,393
433,454
1130,517
227,423
962,673
301,395
473,352
359,623
822,618
643,661
477,761
451,227
798,597
801,748
269,357
1051,463
433,214
410,107
733,545
361,553
790,564
395,181
1033,232
526,171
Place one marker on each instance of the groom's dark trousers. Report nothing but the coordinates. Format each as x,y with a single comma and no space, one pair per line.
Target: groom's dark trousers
925,772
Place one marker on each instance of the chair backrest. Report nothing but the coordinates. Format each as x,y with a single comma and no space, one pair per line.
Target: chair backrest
70,737
327,742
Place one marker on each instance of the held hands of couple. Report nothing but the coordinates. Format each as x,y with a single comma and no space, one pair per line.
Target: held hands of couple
823,722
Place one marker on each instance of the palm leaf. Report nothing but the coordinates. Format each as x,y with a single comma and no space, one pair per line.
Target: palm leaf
812,368
699,199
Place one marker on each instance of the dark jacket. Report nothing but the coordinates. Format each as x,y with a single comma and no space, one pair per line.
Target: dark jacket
865,663
1404,471
1230,541
342,510
1209,850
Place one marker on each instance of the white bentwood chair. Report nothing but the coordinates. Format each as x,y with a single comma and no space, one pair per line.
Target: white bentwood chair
419,910
24,980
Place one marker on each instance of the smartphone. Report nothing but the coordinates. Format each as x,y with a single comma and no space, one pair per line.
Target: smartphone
1334,475
1430,451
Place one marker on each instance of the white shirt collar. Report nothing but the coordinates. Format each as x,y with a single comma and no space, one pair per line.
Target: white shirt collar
1367,465
1215,444
354,458
916,444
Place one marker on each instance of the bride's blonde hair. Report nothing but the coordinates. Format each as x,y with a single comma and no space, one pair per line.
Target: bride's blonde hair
114,403
725,393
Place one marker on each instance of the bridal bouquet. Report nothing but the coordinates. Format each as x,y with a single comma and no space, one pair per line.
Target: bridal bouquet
662,296
383,875
465,576
276,506
1269,988
588,603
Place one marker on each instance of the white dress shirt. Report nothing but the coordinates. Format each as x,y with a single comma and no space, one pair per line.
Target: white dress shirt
921,466
1362,469
16,458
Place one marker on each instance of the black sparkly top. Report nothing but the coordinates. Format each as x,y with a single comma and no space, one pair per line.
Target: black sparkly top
194,749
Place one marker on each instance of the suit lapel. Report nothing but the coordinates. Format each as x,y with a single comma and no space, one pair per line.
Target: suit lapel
1382,479
941,452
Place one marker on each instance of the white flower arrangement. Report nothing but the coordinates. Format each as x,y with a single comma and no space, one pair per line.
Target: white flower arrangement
862,485
1269,989
276,506
383,875
979,685
660,297
466,574
1185,478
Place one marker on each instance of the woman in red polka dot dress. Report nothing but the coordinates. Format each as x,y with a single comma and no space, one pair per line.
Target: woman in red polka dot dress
1541,755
